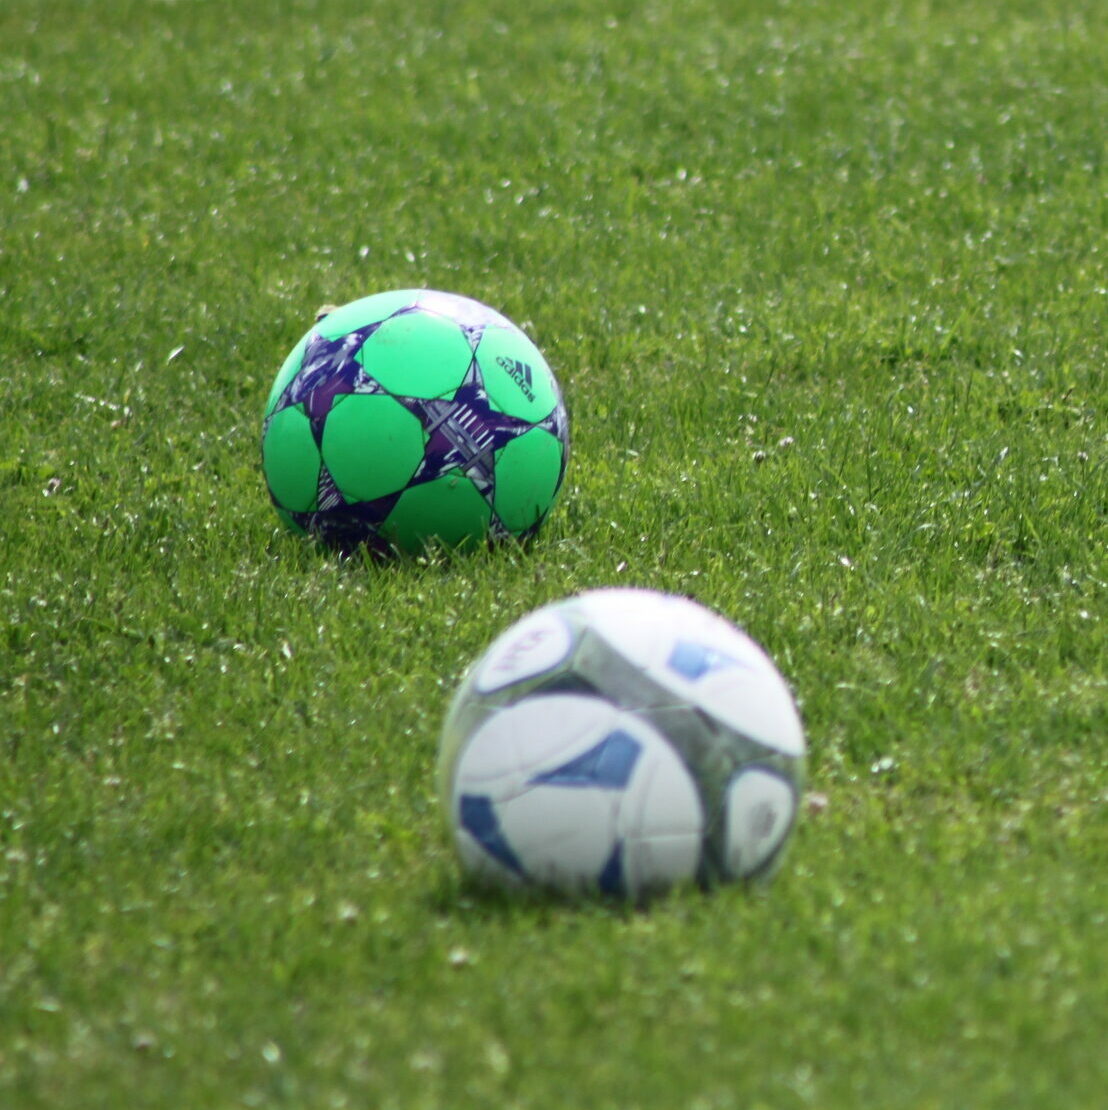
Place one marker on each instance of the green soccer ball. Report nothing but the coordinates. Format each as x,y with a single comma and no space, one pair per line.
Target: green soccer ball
411,418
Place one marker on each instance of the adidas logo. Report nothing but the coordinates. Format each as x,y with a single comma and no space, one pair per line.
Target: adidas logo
519,372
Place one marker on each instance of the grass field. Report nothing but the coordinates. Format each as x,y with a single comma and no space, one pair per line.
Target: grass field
825,286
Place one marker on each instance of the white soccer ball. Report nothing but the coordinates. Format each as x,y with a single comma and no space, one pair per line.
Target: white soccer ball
620,742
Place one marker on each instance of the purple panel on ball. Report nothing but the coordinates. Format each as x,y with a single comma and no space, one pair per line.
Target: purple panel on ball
464,433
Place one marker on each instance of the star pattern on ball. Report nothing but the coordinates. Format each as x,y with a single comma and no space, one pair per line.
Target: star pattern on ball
464,432
329,370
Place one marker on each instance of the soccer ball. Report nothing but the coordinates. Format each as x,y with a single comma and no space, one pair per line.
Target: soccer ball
412,417
620,742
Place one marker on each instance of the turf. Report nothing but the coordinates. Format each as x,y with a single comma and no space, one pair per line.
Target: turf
825,287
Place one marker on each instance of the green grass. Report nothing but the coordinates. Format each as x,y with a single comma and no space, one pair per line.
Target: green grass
825,286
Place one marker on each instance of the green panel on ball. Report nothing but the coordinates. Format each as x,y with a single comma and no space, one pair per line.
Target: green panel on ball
528,471
366,311
516,375
448,509
288,522
417,354
290,460
371,445
287,372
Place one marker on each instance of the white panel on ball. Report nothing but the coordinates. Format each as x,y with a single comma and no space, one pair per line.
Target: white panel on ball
533,646
662,822
759,811
702,657
568,792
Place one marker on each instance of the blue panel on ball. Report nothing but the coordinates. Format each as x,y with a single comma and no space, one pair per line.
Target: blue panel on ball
610,880
608,764
479,819
694,661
